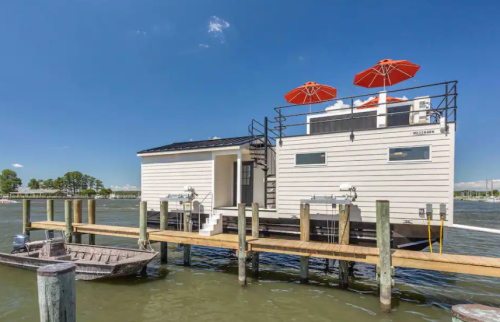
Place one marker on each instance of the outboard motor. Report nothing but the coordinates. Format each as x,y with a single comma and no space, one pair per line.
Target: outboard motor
19,244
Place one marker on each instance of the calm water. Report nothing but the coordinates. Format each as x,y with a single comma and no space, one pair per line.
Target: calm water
208,291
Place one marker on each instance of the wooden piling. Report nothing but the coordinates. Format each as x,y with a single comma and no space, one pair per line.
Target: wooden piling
187,248
50,209
143,225
26,216
56,292
304,236
384,268
163,226
91,205
242,244
255,234
68,232
77,218
344,228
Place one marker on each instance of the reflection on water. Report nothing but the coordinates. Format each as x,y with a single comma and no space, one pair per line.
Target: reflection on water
209,291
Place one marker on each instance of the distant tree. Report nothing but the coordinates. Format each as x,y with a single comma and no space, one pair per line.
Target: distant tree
495,193
58,184
9,182
74,181
105,192
88,192
34,184
99,185
48,184
92,183
59,193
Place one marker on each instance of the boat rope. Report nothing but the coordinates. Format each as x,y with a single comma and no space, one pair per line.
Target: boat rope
440,239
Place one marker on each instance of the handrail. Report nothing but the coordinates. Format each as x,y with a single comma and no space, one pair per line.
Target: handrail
211,207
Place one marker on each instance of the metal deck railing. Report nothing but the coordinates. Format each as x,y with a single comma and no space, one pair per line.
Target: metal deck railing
442,96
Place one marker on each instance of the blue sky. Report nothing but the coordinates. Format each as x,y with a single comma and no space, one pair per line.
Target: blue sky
84,85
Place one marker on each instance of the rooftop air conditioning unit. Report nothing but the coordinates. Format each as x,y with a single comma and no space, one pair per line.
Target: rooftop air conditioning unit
421,110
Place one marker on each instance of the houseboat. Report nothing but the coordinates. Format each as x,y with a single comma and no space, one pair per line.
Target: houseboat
394,145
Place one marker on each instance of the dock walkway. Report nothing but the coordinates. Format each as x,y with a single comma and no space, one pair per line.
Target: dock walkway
475,265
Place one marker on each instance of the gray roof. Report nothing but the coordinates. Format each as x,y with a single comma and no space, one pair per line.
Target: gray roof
206,144
39,191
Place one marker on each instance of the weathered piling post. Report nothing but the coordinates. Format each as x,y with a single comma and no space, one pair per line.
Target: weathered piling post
26,216
255,234
143,225
242,245
384,269
163,226
50,209
91,212
474,313
187,248
344,228
68,232
304,236
77,213
56,292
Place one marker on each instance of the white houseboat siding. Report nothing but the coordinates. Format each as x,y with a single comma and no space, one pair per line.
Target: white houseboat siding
170,173
364,163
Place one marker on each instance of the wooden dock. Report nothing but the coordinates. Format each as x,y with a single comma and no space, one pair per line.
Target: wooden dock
475,265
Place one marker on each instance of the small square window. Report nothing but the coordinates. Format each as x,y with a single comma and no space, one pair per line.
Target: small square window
418,153
318,158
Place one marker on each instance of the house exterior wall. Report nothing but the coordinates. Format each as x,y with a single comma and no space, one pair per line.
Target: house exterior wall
363,163
165,174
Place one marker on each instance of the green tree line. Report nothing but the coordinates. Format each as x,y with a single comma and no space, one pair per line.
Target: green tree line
73,182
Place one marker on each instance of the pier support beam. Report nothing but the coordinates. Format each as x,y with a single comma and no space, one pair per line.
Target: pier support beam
77,212
56,292
255,234
344,228
91,212
50,209
26,216
143,225
242,245
187,248
68,231
384,269
163,226
304,236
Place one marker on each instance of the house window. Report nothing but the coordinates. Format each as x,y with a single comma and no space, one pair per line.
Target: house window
417,153
246,175
318,158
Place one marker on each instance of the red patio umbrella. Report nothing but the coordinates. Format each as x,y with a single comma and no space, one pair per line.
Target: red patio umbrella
310,93
386,72
374,102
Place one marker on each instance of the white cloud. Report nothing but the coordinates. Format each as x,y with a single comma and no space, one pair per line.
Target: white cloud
141,32
203,45
214,138
359,102
477,185
338,105
216,27
126,187
17,165
301,58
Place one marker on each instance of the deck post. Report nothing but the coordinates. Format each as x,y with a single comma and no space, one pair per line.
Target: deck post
304,236
56,292
91,211
242,244
163,226
384,269
344,229
50,209
68,232
26,216
255,234
187,248
77,212
143,225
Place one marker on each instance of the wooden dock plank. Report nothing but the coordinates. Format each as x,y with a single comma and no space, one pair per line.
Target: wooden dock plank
476,265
